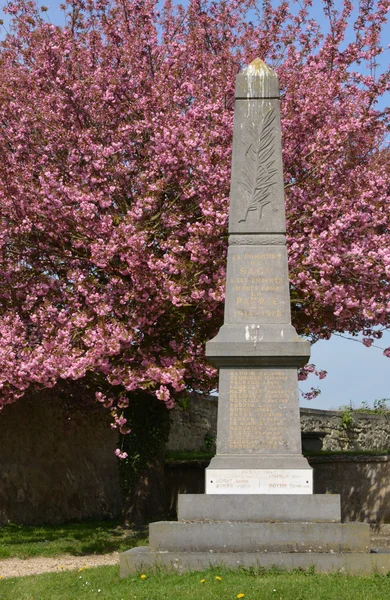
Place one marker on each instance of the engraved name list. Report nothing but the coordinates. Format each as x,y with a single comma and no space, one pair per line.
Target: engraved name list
258,415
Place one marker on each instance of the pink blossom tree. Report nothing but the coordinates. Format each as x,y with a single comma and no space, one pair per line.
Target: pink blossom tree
115,142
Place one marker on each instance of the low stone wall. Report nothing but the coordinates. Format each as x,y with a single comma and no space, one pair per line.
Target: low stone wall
363,483
56,466
194,427
360,431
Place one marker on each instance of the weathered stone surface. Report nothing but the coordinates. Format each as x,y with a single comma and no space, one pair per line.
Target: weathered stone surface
259,508
194,426
139,559
257,81
363,483
257,324
237,346
256,277
225,536
258,431
259,412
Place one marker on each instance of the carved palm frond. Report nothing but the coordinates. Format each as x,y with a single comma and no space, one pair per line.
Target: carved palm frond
258,174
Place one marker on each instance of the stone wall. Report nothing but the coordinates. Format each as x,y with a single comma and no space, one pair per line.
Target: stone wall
360,431
55,465
194,427
58,465
363,483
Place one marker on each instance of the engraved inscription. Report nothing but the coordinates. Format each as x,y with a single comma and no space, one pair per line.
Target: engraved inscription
259,173
258,287
258,409
259,481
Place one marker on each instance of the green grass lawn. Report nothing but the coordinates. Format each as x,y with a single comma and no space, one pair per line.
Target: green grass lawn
88,537
103,583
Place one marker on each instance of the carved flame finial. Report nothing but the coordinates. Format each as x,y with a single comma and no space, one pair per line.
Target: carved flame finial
258,67
257,80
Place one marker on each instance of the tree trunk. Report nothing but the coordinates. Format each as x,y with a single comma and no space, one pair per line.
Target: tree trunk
147,502
142,473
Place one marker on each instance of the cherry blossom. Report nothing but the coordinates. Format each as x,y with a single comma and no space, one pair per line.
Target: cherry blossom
115,149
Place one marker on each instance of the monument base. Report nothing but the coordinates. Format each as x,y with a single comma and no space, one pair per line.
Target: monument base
257,531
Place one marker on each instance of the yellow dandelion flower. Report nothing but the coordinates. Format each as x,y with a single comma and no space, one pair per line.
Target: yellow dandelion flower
240,595
218,578
86,567
81,568
143,576
202,580
1,577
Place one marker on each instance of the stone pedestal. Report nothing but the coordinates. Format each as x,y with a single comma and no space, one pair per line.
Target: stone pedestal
259,438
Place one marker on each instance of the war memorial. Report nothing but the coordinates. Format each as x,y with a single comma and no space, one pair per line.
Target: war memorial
259,508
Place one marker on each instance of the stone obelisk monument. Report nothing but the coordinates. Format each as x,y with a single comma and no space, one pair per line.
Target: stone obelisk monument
259,508
257,350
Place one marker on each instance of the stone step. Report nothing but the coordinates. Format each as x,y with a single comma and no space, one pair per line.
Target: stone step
259,507
142,558
259,537
380,541
380,529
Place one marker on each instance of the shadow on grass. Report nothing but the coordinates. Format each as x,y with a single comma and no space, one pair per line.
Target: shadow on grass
106,546
77,539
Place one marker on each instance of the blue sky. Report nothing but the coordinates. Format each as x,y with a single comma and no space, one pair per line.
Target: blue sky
356,374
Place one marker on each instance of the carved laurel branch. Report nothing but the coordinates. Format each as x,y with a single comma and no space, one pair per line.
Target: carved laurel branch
259,172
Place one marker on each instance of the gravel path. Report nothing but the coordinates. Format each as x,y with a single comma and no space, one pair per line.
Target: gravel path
18,567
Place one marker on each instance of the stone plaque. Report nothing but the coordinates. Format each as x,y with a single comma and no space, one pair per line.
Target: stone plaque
259,481
258,282
258,411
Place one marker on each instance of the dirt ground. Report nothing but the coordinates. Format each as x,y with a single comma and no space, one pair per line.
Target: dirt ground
17,567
